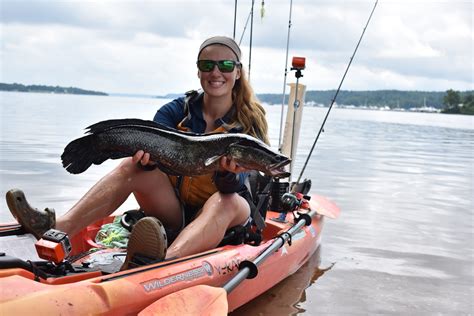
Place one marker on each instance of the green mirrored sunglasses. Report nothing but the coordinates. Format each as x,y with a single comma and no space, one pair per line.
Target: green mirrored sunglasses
223,65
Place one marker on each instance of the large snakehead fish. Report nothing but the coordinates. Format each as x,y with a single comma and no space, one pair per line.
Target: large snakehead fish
175,152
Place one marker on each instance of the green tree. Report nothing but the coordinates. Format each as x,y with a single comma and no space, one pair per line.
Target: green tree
468,104
451,101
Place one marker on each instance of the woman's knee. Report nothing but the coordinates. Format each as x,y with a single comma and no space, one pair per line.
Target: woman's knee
126,168
232,205
136,176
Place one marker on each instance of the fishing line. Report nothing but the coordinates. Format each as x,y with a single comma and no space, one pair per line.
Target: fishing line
249,18
337,92
245,28
251,38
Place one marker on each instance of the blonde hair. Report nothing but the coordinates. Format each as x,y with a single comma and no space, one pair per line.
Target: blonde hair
249,112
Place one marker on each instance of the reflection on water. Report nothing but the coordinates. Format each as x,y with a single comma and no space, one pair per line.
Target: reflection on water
286,298
404,183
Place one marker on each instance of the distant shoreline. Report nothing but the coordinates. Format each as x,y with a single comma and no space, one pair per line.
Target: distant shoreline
394,100
17,87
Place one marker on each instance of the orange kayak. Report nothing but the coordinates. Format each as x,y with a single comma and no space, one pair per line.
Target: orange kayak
96,286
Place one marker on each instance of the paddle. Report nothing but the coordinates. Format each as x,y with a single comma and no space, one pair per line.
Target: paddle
208,300
10,229
324,207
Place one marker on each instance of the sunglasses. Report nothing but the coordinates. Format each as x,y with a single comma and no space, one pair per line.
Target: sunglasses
223,65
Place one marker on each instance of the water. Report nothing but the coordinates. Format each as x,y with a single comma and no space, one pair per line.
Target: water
404,183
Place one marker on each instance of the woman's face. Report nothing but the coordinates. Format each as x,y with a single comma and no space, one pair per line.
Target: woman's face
216,83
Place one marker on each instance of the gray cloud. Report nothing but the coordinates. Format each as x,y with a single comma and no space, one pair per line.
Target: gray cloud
149,46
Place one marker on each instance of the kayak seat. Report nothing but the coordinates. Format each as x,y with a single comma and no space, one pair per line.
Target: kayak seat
241,234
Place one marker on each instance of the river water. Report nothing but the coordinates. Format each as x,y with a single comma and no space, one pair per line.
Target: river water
404,182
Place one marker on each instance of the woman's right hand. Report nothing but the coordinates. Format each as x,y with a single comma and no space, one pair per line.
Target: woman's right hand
229,164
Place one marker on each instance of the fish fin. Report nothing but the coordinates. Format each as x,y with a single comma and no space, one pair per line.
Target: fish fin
237,145
111,124
133,122
209,161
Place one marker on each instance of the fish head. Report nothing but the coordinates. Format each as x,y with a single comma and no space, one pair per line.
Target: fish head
278,169
256,155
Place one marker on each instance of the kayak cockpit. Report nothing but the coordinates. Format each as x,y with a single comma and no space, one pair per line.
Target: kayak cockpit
88,259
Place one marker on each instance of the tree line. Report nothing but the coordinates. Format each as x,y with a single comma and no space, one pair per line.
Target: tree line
381,98
46,89
451,101
457,103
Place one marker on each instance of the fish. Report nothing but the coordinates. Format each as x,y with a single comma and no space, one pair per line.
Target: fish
175,152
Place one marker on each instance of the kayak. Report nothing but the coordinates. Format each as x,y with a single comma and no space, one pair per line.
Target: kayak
90,281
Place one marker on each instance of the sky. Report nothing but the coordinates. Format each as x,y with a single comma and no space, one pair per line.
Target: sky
150,47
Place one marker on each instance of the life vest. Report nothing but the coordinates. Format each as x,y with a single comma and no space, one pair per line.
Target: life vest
194,191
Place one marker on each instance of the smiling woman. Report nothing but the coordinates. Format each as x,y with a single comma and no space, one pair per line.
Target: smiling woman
400,183
193,204
218,84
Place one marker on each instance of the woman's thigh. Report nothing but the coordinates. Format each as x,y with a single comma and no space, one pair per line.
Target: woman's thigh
156,196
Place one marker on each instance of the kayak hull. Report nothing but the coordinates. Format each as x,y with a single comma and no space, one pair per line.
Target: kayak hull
131,291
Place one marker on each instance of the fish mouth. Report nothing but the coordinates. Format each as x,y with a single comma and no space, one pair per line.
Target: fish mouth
278,169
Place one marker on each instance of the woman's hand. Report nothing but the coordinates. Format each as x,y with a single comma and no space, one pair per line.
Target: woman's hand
229,164
142,157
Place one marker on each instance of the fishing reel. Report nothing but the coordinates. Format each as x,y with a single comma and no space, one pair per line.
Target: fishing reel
294,201
283,201
290,202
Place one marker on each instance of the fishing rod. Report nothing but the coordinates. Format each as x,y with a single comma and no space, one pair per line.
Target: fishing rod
286,74
235,18
337,92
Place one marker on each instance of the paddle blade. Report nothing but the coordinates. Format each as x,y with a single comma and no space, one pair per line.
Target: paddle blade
324,207
195,300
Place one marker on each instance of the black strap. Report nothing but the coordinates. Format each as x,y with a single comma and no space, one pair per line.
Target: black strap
263,198
35,270
282,237
189,97
131,217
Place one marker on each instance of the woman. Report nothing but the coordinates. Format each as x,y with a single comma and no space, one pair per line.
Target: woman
197,209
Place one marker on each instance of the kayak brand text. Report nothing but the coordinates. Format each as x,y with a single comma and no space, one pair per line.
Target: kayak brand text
156,284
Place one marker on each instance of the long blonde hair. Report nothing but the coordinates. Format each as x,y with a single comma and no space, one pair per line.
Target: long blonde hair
249,112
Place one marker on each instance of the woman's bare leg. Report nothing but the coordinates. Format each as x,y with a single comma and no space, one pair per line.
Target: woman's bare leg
113,189
220,212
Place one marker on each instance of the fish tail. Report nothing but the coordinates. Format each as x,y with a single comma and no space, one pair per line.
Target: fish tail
81,153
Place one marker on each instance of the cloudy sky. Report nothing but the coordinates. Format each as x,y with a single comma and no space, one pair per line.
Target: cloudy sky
149,47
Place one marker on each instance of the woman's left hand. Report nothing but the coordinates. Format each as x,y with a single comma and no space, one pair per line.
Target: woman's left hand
229,164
